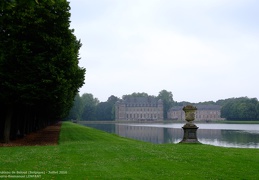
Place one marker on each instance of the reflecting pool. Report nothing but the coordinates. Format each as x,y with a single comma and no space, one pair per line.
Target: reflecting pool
226,135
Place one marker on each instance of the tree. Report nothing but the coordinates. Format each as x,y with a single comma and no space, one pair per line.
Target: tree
112,101
257,110
105,110
76,110
167,98
143,94
39,72
89,107
242,108
102,112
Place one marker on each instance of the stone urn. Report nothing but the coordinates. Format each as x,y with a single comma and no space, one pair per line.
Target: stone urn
190,129
189,111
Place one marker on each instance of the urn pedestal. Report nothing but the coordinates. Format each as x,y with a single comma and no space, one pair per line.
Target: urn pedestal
190,129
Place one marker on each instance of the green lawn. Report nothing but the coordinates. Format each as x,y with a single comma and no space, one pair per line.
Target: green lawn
85,153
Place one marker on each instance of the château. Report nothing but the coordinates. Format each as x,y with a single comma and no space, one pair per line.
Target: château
139,108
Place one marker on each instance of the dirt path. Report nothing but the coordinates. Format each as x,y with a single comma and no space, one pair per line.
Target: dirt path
47,136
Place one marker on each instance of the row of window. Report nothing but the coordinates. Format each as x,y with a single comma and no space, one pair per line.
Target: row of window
198,112
207,116
207,112
142,116
143,109
141,105
213,116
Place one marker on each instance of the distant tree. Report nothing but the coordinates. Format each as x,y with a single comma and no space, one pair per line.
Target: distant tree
143,94
105,110
242,108
205,103
246,111
167,98
39,72
222,102
182,103
89,107
75,112
112,100
257,110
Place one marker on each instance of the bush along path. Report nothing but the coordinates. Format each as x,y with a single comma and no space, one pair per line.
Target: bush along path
46,136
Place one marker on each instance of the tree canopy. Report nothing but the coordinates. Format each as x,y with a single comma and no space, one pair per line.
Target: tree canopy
39,70
143,94
92,109
88,108
242,108
167,98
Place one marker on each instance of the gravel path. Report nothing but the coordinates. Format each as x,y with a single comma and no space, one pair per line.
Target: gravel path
47,136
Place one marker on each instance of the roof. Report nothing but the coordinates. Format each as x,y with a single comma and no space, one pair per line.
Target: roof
140,101
208,107
199,107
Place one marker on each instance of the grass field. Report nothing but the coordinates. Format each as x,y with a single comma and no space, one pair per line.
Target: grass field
85,153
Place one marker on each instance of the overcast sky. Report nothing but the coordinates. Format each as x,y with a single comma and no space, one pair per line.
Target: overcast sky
200,50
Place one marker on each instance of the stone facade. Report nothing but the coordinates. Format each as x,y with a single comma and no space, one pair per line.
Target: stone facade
203,113
139,108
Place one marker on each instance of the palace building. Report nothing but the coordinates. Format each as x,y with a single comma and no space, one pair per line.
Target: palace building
139,108
203,113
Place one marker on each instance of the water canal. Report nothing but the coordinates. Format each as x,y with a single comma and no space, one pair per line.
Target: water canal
226,135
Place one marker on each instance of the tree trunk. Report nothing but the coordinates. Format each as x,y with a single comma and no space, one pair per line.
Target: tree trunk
7,126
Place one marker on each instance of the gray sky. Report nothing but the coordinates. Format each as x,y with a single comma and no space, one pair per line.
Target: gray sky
200,50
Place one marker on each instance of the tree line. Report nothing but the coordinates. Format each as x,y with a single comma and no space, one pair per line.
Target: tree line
240,109
39,72
88,108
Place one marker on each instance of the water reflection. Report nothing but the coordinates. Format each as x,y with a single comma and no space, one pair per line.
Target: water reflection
225,135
